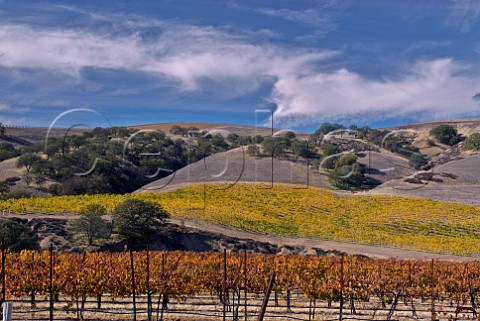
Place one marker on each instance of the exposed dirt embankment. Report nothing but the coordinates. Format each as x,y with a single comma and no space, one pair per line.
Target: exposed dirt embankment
203,236
172,237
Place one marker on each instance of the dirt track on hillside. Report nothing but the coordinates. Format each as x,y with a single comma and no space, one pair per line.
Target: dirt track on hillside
311,246
328,246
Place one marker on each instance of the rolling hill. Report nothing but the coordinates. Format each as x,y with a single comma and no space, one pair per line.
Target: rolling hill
453,177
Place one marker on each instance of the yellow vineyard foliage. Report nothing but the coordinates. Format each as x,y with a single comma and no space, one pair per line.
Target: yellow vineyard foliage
291,210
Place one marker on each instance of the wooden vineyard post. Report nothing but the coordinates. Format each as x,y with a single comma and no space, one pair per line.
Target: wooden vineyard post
341,286
149,295
271,281
7,311
51,282
245,280
162,295
4,278
432,294
132,269
224,284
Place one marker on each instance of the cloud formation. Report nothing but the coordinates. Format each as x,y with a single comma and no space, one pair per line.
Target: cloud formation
6,108
464,14
186,55
434,87
324,17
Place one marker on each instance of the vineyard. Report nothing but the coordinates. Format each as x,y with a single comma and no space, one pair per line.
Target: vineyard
292,210
203,286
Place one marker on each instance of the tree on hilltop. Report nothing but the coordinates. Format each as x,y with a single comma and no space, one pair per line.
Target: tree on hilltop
91,224
136,220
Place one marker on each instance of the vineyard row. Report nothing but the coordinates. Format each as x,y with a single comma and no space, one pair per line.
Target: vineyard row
183,274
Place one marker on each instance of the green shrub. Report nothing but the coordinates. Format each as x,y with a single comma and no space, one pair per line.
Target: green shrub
473,142
347,174
17,235
417,160
91,225
445,134
135,219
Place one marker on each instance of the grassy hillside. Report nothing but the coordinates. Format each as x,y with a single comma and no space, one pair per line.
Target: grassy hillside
308,212
236,165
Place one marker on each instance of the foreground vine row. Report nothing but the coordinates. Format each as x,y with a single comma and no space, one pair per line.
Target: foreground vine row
183,274
299,211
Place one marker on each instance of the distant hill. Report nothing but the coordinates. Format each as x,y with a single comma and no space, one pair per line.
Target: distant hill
419,133
235,165
241,130
26,136
453,176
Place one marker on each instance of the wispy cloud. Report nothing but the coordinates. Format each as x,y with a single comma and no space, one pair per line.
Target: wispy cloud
125,91
184,54
311,16
7,108
464,14
324,17
190,58
434,87
12,121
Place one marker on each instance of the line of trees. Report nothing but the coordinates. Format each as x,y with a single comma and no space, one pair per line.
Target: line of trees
134,220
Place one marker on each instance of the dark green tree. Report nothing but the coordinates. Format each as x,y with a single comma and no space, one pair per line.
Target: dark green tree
473,142
4,187
327,150
300,148
445,134
253,150
7,151
417,160
136,220
28,160
91,225
326,128
347,174
3,131
274,146
17,235
233,139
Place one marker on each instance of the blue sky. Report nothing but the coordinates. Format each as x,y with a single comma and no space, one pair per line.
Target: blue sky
373,63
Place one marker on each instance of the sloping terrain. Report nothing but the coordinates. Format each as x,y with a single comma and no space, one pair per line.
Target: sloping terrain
196,235
236,166
454,174
32,135
466,171
300,211
241,130
454,181
418,133
8,169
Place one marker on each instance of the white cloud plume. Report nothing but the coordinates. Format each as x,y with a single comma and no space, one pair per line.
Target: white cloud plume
324,16
186,55
464,14
432,87
7,108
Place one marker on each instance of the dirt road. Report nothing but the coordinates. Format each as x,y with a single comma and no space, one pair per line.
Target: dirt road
311,246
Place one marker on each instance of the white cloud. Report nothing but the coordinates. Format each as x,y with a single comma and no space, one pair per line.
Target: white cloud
311,16
324,17
4,107
464,14
12,122
64,50
433,87
186,55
